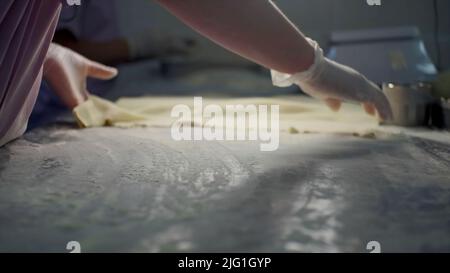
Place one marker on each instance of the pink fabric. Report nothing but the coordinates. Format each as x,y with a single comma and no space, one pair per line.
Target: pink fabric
26,30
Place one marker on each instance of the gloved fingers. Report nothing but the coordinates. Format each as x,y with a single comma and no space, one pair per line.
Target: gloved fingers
369,108
383,107
374,96
100,71
333,104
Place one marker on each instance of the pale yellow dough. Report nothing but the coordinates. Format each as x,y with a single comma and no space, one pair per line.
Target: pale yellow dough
298,114
97,112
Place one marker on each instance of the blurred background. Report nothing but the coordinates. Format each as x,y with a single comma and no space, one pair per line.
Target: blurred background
338,181
318,19
400,42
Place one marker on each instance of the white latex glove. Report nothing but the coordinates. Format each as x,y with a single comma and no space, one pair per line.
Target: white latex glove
155,43
67,71
333,83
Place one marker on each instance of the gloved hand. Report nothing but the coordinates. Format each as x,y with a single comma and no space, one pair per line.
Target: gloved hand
155,43
67,71
334,83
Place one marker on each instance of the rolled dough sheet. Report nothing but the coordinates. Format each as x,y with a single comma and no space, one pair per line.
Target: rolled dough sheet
298,114
97,112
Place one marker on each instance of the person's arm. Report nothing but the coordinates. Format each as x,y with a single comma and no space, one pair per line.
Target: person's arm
259,31
254,29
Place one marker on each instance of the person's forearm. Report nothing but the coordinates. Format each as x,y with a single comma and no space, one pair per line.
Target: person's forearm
254,29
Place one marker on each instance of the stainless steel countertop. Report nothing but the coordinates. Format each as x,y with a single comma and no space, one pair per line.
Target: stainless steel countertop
137,190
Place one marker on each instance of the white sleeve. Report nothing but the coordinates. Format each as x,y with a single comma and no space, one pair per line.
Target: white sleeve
285,80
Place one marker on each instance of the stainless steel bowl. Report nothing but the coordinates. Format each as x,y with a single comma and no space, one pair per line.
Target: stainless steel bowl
410,103
445,104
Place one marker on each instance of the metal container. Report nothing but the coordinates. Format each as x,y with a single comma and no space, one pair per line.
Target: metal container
445,104
394,54
410,103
